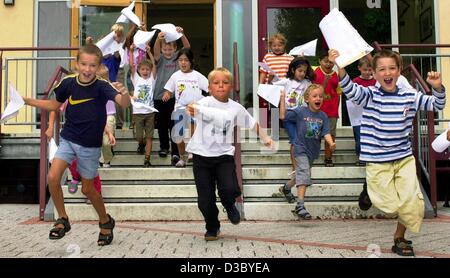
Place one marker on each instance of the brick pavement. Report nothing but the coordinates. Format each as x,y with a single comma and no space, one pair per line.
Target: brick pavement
24,236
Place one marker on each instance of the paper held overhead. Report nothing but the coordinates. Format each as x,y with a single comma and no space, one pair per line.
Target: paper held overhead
169,30
307,49
130,15
108,45
342,36
141,38
15,103
271,93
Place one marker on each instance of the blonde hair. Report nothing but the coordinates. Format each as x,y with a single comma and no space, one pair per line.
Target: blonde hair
387,53
117,28
224,71
145,62
311,88
90,49
279,37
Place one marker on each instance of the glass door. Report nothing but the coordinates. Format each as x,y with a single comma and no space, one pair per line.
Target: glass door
298,20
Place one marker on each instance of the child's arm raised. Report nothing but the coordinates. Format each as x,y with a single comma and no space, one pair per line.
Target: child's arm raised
332,55
157,46
184,39
131,60
150,55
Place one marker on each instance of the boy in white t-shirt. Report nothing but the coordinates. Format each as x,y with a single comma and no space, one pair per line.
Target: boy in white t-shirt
143,107
188,85
213,151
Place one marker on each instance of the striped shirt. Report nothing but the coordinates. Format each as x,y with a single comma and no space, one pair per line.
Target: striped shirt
387,118
278,63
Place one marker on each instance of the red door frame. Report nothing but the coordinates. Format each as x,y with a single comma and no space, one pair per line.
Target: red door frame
263,5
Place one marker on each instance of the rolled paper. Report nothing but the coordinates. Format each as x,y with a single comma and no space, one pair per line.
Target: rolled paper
441,143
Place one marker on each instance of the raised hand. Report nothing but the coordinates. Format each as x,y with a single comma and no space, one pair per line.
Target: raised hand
434,79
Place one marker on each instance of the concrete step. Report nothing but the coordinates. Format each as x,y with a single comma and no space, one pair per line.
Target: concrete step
131,191
248,173
283,145
273,211
248,158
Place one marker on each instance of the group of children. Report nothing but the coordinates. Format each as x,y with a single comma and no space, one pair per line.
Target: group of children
308,107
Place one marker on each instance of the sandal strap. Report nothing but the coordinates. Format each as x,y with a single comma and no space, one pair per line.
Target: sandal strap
63,221
108,225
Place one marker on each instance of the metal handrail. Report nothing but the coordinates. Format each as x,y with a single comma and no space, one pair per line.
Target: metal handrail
43,163
237,136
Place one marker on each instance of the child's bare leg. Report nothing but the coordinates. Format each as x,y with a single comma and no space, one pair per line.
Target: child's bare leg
148,146
54,185
301,190
181,149
97,201
400,232
294,164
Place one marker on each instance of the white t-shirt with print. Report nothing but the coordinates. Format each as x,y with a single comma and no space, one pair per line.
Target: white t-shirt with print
212,140
143,90
294,91
187,87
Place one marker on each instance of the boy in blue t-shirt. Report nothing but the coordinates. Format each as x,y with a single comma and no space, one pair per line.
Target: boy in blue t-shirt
81,136
312,124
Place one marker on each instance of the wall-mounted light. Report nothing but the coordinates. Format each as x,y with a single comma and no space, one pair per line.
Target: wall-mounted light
8,2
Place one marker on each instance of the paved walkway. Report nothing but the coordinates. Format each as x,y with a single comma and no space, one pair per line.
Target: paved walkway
24,236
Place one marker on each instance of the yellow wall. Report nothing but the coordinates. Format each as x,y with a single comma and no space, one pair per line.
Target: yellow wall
444,38
17,31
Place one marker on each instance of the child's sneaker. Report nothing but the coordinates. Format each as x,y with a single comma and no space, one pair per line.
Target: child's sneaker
233,215
141,149
106,165
73,186
174,160
212,235
290,198
147,161
301,212
329,163
163,153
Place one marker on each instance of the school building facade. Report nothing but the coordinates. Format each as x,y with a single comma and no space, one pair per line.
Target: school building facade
211,27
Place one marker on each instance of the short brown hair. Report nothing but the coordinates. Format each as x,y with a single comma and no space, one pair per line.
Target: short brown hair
277,36
145,62
90,49
364,61
225,72
311,88
386,53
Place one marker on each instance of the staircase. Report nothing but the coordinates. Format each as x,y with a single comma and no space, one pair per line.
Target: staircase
164,192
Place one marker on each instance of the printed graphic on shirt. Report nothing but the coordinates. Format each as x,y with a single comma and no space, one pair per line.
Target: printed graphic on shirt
144,93
294,99
313,127
187,91
78,101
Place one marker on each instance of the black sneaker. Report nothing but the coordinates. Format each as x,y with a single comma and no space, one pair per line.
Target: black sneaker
147,162
301,212
163,153
141,149
290,198
233,215
174,160
211,236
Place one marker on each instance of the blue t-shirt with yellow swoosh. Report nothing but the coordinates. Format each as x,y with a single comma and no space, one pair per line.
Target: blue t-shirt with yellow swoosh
86,109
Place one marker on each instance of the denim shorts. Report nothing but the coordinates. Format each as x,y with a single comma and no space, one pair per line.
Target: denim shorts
291,129
87,158
303,170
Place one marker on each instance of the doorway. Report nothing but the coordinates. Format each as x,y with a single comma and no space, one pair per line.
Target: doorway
197,21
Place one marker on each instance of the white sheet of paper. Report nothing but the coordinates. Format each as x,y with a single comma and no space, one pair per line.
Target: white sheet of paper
131,15
266,67
122,18
441,143
108,45
15,103
170,31
271,93
52,148
218,117
354,113
139,105
342,36
307,49
141,38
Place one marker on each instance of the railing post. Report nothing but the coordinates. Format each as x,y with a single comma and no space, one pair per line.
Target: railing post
237,134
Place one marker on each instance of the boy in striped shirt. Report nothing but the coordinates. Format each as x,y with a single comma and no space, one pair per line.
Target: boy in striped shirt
388,114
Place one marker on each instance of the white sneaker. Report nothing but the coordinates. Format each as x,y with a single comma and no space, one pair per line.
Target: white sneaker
180,164
106,165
